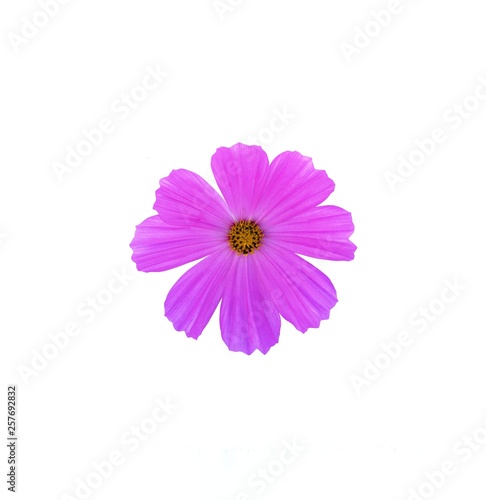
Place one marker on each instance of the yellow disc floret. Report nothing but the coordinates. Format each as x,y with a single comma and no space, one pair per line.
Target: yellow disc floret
245,236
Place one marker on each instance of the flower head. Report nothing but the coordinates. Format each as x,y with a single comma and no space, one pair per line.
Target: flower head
249,240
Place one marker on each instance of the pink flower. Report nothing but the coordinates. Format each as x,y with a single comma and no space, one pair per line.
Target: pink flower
249,240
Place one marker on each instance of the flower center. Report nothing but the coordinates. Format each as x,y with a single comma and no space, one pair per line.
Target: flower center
245,236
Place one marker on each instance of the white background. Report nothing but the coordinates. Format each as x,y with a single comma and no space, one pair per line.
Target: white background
61,240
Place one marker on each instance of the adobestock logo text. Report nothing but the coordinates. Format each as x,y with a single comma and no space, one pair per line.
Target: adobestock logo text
121,107
364,34
453,118
30,27
86,311
392,350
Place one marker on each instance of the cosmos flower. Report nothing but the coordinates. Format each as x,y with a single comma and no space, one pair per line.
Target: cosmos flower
249,241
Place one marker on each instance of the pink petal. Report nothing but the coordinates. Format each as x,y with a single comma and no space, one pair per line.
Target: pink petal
303,295
241,172
249,319
192,300
158,246
322,232
186,199
293,188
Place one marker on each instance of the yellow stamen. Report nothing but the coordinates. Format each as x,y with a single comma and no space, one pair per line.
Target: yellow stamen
245,236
